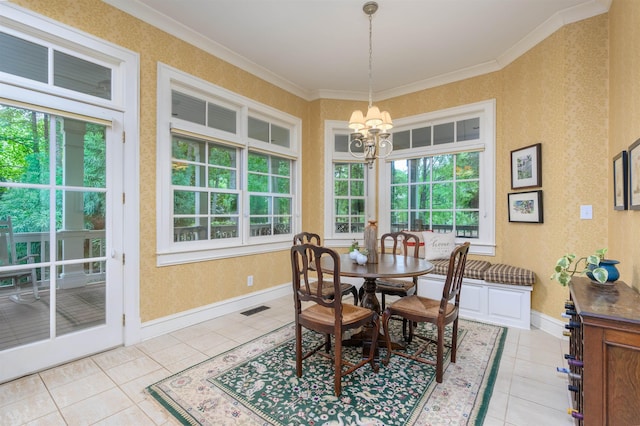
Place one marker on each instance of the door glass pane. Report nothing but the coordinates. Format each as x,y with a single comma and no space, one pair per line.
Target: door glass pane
81,153
23,58
81,76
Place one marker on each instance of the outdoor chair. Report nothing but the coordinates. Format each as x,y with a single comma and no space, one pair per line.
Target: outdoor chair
16,277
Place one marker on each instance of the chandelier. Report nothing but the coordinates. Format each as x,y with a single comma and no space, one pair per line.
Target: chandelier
371,132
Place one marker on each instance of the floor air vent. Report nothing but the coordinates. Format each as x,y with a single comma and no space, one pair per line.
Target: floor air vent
255,310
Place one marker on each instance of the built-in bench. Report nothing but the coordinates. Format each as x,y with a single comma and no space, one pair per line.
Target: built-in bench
493,293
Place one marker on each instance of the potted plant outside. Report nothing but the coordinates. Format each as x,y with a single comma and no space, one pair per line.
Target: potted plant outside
563,270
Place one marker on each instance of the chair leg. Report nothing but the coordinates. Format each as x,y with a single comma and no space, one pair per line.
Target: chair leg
385,326
327,343
298,350
439,354
354,291
454,340
337,361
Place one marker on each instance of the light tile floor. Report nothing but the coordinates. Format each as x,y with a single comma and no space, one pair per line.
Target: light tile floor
108,388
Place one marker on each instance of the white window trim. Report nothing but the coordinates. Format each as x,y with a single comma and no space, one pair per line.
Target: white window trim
486,110
171,253
331,129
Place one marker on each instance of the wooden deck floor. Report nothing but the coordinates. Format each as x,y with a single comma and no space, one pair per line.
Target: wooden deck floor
77,308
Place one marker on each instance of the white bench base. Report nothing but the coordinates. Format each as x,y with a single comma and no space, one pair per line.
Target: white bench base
502,304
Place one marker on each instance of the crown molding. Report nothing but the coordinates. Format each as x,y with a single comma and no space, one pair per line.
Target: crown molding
171,26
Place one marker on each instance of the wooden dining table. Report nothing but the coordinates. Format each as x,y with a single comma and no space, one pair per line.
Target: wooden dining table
388,266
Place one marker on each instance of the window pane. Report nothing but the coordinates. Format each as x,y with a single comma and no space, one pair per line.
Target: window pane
442,133
221,118
442,196
189,202
357,189
24,145
399,199
341,188
421,137
398,221
468,165
357,171
189,229
468,129
259,205
420,221
224,204
222,178
399,172
281,185
357,207
258,183
401,140
442,167
420,197
81,76
258,163
23,58
442,221
258,129
342,207
467,195
187,174
224,227
341,143
280,166
187,108
282,206
280,136
420,169
341,171
188,149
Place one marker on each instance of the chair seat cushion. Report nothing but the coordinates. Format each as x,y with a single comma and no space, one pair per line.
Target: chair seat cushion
394,285
506,274
327,288
326,316
474,269
417,306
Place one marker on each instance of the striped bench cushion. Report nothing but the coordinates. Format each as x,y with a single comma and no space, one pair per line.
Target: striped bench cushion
506,274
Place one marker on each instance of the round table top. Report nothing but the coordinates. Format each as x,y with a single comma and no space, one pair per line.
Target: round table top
388,266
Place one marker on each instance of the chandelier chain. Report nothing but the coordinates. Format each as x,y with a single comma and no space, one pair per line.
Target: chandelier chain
370,60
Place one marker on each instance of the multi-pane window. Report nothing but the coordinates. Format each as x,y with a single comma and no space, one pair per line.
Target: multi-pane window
349,197
204,177
441,175
270,194
231,166
439,193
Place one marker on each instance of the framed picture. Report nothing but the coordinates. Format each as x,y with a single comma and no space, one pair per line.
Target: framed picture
526,167
634,175
525,207
620,181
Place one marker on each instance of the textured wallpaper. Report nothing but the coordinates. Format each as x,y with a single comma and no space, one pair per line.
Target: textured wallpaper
561,93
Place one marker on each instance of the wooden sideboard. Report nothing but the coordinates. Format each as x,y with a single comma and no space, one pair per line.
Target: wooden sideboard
605,342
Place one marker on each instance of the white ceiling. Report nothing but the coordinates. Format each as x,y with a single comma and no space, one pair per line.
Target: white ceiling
319,48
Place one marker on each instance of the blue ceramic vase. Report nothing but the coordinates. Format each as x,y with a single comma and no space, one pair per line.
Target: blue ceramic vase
610,266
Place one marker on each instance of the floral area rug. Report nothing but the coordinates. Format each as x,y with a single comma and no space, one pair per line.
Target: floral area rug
256,384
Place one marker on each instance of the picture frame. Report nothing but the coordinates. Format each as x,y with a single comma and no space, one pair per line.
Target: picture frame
526,167
526,207
634,175
620,181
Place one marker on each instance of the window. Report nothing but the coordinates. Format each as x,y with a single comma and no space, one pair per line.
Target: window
232,166
348,200
441,175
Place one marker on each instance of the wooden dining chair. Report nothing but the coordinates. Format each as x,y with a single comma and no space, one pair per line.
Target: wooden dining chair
417,309
394,242
328,316
311,238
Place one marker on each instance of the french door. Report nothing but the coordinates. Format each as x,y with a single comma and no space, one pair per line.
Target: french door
61,186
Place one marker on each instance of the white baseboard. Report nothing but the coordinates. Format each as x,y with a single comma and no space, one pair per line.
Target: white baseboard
171,323
548,324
